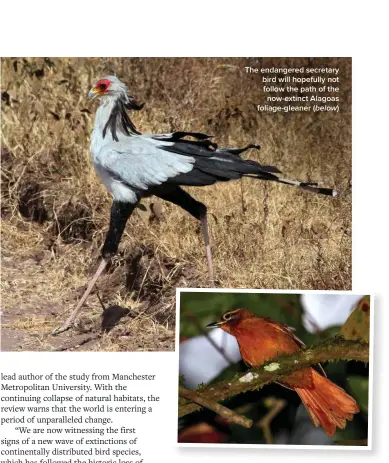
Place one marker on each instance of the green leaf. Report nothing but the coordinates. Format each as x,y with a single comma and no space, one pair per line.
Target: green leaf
359,387
357,326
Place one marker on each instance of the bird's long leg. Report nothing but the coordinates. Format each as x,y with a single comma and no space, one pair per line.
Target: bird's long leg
208,253
120,212
69,322
177,195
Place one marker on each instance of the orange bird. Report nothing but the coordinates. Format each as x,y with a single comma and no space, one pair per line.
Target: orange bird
261,339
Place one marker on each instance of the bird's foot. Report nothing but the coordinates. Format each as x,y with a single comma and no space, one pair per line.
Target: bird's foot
61,329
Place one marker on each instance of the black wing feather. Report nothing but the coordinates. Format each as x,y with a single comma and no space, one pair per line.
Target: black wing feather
213,164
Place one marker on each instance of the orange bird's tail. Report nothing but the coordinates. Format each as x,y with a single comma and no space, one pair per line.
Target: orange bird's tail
327,404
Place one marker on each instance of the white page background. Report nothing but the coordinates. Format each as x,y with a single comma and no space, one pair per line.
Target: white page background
205,28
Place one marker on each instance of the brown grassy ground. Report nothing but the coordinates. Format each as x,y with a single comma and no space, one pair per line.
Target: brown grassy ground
55,210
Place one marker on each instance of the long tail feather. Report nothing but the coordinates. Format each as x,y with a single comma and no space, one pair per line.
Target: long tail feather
214,164
308,186
327,404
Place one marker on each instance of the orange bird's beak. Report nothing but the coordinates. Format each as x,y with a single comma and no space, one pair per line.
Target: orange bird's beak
214,324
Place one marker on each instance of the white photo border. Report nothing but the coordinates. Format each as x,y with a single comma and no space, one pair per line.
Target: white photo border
367,447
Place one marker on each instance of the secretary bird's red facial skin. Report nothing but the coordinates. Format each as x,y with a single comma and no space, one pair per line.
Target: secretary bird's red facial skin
102,86
100,89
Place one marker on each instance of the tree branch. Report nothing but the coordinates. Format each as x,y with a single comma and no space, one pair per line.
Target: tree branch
221,410
330,350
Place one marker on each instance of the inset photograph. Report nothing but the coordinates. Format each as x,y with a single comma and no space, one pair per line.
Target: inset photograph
274,368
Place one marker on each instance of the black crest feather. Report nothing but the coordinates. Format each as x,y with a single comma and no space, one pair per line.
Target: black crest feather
120,116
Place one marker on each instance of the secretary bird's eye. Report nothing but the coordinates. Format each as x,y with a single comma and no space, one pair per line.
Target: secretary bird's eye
102,85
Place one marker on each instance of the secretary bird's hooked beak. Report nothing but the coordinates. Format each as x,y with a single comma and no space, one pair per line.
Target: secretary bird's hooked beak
93,93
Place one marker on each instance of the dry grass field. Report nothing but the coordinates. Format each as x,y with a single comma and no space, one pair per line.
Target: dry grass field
55,211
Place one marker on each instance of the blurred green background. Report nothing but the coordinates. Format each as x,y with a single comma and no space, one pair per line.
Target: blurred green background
197,309
208,307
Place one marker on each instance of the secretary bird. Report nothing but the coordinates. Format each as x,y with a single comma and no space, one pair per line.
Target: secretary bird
133,166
